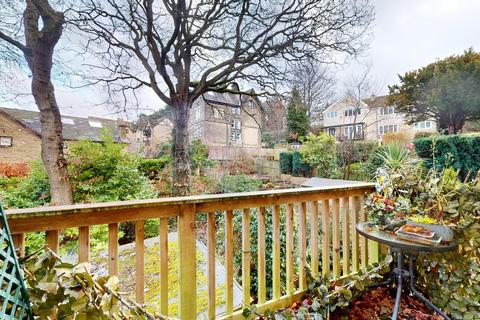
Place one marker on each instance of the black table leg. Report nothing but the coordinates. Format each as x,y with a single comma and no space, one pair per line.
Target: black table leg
399,285
420,296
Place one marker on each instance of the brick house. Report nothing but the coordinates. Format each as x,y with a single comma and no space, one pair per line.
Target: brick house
368,120
20,138
228,124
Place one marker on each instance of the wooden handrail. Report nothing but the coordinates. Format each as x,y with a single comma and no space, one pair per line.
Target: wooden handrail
324,219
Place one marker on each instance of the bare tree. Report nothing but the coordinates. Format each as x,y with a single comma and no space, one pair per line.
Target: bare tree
315,82
360,86
42,28
182,49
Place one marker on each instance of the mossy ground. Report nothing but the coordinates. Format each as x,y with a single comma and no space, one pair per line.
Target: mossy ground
152,276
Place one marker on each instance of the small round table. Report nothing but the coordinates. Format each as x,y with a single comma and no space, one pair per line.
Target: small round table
403,248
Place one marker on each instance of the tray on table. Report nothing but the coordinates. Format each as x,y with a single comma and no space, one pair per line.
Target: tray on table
434,241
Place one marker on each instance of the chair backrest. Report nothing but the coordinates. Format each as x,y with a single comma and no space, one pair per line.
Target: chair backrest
14,302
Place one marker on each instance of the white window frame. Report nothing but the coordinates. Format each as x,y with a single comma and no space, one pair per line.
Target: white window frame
6,141
235,130
236,110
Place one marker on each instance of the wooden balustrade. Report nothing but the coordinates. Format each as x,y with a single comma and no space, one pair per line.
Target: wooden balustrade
317,244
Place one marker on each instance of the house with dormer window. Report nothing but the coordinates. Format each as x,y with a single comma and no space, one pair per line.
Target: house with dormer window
228,124
368,119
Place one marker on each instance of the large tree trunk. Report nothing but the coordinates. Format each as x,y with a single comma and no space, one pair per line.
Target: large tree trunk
181,161
41,44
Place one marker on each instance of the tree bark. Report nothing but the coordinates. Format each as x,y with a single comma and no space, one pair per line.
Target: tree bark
40,45
180,157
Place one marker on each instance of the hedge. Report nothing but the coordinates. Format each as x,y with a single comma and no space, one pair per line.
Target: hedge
152,167
300,168
461,152
286,162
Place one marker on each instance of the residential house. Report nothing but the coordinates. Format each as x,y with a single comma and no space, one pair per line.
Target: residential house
20,138
368,119
228,124
149,134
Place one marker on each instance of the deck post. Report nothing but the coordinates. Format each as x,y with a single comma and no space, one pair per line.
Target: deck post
187,262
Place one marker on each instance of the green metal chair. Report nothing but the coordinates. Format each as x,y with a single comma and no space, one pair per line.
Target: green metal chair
14,302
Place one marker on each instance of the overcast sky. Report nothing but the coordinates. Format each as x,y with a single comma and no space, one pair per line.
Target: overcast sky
407,34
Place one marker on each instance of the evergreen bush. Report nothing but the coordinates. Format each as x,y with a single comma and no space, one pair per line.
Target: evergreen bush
286,162
299,167
461,152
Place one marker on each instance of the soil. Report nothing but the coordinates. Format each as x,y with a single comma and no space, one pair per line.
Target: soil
377,304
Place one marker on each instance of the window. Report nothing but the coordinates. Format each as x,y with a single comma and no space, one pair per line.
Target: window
387,110
331,131
196,114
236,110
95,124
331,115
387,128
348,132
67,121
235,130
423,125
352,112
251,104
5,141
359,128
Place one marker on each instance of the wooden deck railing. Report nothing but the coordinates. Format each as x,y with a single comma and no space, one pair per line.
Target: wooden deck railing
324,218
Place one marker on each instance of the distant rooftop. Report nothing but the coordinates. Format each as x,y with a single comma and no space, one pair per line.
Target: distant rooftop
74,128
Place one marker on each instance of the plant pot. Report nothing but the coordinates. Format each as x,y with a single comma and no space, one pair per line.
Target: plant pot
440,230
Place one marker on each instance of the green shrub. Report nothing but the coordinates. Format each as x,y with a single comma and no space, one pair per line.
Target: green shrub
320,152
358,171
423,134
152,167
460,152
300,168
451,280
199,157
105,172
238,183
286,162
32,191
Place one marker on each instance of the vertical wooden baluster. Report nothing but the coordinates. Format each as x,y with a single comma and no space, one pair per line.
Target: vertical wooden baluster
363,240
289,245
276,251
113,249
187,247
346,236
163,237
140,261
229,261
314,238
355,205
211,266
19,243
246,256
325,237
84,244
262,291
52,240
302,237
336,237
